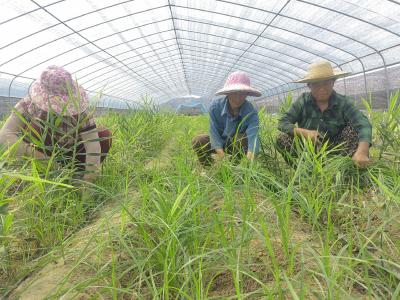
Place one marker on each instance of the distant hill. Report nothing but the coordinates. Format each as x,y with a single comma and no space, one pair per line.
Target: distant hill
191,109
174,103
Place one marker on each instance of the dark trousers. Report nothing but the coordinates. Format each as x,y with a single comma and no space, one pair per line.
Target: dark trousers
348,137
235,146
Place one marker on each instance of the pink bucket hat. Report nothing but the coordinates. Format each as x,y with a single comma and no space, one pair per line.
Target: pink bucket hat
55,89
238,82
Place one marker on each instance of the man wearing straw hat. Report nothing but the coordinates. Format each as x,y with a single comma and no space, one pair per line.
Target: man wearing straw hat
324,115
233,123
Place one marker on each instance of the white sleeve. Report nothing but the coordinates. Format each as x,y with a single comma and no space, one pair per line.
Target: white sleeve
10,131
91,142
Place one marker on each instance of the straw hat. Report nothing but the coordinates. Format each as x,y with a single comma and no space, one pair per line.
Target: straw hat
56,90
238,82
321,70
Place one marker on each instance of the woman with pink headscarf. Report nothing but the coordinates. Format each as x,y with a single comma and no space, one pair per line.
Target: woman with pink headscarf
233,123
54,119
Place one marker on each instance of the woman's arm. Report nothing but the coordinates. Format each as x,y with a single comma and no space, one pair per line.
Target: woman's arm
9,136
93,151
215,135
253,139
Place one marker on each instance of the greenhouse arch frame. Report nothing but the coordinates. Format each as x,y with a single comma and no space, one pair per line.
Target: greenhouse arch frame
168,49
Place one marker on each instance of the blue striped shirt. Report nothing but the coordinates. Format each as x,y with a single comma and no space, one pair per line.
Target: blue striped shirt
224,126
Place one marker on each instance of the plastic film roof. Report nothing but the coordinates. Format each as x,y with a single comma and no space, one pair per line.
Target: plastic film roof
173,48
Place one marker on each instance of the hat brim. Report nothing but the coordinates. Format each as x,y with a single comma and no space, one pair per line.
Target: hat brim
242,89
322,78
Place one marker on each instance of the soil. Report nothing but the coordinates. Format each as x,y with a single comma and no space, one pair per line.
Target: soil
43,283
57,274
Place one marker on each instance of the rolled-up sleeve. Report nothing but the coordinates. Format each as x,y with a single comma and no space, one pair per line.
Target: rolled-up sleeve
92,146
215,131
290,118
359,122
252,133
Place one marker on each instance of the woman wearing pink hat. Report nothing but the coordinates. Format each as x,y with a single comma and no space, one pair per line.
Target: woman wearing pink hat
233,122
54,119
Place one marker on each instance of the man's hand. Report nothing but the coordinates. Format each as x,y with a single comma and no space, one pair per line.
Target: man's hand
361,156
308,134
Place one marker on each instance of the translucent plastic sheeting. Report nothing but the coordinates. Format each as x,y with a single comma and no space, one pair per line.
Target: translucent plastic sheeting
172,48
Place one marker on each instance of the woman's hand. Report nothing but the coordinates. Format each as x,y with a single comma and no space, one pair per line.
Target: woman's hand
219,154
38,155
34,152
90,177
250,155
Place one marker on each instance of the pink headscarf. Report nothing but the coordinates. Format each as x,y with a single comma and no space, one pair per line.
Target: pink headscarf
55,90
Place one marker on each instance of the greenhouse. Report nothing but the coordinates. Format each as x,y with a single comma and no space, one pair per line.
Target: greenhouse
111,187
